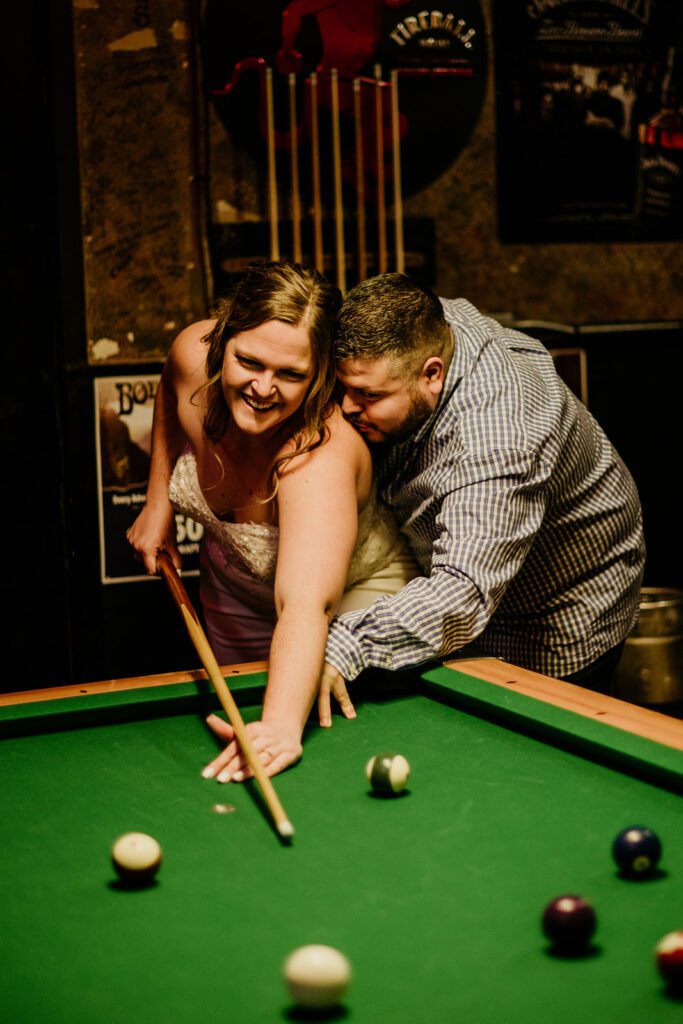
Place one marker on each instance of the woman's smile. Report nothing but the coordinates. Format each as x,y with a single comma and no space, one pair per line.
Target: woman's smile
267,372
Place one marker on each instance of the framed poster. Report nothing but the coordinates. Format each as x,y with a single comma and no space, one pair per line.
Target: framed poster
590,134
124,407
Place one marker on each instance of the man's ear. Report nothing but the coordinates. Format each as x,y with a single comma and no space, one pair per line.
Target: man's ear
433,374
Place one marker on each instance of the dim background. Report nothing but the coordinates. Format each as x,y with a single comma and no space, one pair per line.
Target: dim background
108,239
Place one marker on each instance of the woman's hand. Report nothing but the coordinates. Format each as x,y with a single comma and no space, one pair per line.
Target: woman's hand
276,745
152,531
332,681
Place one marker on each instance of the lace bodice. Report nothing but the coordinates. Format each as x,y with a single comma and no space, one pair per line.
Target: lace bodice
252,548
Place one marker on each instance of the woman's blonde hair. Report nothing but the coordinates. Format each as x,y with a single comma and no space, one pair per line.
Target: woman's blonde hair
296,295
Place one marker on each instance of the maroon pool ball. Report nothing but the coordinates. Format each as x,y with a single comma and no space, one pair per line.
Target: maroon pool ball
569,922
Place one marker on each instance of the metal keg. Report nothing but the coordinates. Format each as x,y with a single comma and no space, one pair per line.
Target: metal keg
651,667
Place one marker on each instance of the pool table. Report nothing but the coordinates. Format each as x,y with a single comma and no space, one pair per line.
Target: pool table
518,785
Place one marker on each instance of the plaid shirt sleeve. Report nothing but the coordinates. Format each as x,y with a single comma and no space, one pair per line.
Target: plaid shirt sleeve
486,524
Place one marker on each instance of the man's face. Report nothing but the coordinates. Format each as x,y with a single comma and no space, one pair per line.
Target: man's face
380,403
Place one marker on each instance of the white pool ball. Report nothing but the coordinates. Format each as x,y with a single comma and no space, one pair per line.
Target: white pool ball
136,858
317,976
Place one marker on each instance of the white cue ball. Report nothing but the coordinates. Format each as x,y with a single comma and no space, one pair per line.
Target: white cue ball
317,976
136,858
388,774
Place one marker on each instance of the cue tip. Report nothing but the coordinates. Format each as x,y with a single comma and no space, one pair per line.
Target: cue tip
286,829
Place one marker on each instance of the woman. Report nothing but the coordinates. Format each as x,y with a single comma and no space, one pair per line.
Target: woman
248,440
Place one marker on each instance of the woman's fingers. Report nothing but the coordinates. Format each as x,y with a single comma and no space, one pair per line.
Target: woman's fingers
231,765
220,727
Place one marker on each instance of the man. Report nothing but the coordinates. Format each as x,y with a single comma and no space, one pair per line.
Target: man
523,518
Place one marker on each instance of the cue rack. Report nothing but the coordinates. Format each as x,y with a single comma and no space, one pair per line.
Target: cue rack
333,173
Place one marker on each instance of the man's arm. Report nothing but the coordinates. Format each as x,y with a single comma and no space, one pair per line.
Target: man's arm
485,528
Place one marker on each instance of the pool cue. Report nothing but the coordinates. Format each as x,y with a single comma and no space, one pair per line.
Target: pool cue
338,204
381,208
315,161
398,201
360,182
167,570
294,167
272,170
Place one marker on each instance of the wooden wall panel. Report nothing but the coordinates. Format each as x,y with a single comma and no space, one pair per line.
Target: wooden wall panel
144,274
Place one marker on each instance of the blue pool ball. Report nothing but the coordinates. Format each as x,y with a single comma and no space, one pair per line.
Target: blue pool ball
637,851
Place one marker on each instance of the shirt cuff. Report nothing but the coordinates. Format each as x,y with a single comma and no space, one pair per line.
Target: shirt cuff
344,651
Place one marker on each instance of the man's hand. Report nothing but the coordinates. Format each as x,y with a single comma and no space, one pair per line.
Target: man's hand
333,682
276,747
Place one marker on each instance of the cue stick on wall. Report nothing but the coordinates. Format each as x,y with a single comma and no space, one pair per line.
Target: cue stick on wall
315,161
167,570
294,167
360,182
338,205
272,170
379,138
398,202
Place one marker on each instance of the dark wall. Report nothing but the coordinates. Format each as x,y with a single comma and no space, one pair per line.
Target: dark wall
34,577
634,388
633,385
61,625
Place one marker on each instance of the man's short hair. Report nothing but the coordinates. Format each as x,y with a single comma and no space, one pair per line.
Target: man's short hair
391,316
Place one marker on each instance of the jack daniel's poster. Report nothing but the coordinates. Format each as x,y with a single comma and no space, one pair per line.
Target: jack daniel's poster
590,127
124,408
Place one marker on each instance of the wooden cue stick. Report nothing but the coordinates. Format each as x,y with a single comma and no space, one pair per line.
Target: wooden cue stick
381,206
167,569
315,160
360,182
338,206
398,201
272,170
294,166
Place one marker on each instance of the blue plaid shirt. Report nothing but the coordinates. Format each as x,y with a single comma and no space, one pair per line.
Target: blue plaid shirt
522,517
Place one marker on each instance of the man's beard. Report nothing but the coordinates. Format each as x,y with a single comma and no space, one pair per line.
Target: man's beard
418,413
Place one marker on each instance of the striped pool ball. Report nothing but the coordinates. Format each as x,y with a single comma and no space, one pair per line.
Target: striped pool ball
388,774
669,957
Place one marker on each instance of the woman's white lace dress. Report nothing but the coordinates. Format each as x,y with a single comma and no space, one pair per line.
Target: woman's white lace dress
238,560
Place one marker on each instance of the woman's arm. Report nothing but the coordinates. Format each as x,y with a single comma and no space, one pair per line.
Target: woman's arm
317,503
183,372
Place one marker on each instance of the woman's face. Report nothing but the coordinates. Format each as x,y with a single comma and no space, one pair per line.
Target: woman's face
266,374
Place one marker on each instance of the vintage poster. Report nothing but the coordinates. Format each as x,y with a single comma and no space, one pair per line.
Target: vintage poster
124,407
590,132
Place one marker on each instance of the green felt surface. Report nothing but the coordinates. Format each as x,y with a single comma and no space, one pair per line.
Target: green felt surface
435,896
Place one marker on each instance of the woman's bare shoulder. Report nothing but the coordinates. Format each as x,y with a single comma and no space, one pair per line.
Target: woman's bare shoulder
342,446
187,356
345,437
